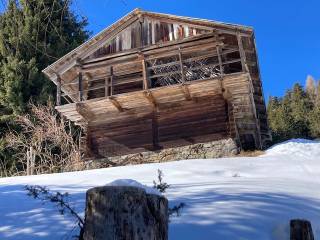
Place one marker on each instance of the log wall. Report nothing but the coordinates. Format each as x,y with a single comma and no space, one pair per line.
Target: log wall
181,124
156,83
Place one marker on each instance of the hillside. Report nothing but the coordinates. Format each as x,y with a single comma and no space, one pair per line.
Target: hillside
227,198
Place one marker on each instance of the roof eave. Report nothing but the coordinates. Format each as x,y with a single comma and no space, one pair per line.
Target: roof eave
54,66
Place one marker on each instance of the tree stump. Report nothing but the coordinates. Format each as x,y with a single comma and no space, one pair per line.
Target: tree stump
300,230
125,213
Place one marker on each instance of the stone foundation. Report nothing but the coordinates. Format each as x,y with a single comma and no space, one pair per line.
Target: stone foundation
215,149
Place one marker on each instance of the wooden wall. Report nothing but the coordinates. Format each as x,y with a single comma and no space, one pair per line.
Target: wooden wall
147,31
228,60
205,119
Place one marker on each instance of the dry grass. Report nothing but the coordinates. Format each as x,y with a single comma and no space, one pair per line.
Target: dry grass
254,153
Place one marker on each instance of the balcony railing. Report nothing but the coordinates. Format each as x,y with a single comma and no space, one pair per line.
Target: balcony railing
179,65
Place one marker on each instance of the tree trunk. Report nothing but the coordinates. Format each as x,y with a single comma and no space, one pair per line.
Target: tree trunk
125,213
300,230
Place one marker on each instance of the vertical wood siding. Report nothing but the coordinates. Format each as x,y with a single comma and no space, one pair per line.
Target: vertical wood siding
145,33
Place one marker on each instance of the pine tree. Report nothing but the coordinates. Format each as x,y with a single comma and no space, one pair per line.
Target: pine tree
318,94
315,122
279,118
33,34
311,88
291,116
300,106
314,116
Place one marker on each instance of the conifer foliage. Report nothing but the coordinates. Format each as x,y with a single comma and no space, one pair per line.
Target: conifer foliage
33,34
297,114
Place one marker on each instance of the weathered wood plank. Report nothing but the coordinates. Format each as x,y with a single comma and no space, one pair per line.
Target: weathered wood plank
116,103
58,100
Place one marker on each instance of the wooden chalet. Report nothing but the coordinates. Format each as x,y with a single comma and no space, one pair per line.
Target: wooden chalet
153,81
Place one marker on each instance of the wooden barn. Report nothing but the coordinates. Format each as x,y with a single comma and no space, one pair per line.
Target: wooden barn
153,81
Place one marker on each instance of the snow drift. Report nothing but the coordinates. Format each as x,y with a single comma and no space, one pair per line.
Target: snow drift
227,198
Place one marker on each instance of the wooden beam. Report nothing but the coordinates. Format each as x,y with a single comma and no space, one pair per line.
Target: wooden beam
218,48
150,98
80,86
186,92
141,30
88,75
106,87
115,103
145,75
58,100
183,75
154,49
84,111
242,53
111,80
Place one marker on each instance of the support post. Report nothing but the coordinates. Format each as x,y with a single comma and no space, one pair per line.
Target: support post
242,54
183,75
186,92
111,80
141,30
145,75
80,83
80,87
106,87
58,100
219,59
150,98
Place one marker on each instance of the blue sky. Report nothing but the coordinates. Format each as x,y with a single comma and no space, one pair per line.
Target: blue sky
287,31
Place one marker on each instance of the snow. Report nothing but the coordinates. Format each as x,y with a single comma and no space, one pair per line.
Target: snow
226,198
134,183
297,147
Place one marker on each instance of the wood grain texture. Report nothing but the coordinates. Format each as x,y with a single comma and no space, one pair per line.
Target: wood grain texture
169,81
125,213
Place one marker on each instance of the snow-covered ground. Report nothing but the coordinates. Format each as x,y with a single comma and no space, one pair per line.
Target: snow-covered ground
227,198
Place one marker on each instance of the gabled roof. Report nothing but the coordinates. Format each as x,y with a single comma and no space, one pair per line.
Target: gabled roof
69,60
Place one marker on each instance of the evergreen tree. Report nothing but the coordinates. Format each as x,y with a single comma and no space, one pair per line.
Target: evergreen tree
280,119
315,114
317,103
315,122
311,88
300,106
293,116
33,34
